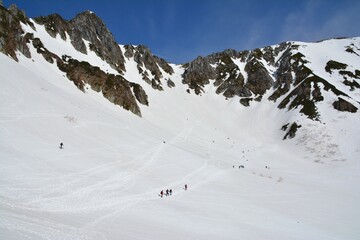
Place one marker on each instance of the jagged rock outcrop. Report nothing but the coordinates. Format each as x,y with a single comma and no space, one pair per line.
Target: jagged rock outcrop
290,132
89,27
198,73
170,83
12,36
93,29
114,87
228,77
54,24
259,79
283,74
148,65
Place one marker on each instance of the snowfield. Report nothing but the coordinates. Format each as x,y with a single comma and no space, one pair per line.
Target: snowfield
105,183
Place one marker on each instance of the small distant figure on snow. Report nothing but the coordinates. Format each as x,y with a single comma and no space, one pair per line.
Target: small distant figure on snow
241,166
167,192
170,192
61,145
161,193
185,187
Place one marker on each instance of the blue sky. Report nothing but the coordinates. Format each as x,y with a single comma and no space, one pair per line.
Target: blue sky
179,31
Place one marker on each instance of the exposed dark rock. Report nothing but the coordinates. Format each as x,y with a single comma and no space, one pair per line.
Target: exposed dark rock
198,73
316,93
117,90
282,47
291,72
11,33
305,98
86,26
229,79
114,87
331,65
170,83
347,74
269,55
245,101
54,24
93,29
140,94
352,84
349,49
129,51
292,131
349,78
20,15
283,76
148,62
228,53
301,96
77,41
50,57
344,106
164,65
259,79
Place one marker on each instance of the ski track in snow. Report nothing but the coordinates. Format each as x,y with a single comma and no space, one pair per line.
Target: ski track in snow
139,166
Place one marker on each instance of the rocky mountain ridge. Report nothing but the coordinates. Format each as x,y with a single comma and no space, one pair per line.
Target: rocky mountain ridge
86,26
281,73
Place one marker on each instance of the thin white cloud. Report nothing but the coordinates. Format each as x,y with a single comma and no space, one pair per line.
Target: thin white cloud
309,23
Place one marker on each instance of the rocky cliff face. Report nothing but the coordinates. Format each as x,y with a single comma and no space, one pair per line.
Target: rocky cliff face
280,70
12,36
114,87
227,75
148,65
280,74
86,26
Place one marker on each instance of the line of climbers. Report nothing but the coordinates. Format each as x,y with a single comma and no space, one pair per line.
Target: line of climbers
168,192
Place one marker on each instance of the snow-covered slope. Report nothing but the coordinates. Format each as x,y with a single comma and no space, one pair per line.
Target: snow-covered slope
105,183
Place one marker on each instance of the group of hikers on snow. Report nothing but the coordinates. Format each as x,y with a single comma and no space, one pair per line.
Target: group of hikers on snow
169,192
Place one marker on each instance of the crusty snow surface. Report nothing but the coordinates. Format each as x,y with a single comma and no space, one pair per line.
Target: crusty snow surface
105,183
